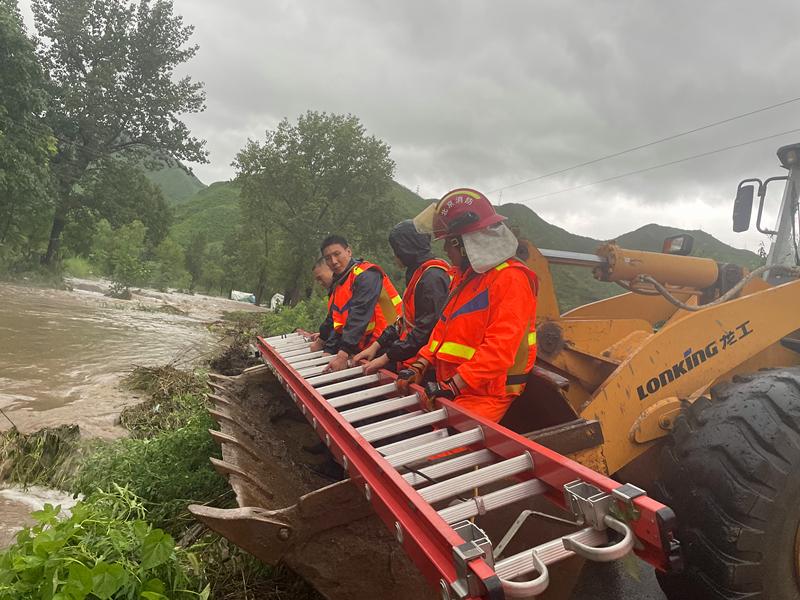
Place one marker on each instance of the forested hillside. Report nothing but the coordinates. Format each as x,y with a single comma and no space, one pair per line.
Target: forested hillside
214,212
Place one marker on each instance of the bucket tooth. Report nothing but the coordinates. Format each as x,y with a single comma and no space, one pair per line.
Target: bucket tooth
249,528
216,388
219,400
270,534
221,415
230,470
217,377
223,438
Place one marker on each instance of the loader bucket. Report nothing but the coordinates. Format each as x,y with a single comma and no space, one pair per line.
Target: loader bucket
289,512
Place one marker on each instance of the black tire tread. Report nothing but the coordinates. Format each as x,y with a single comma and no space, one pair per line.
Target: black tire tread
726,471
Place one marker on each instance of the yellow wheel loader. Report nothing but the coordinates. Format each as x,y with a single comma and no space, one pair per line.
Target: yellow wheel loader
685,387
689,386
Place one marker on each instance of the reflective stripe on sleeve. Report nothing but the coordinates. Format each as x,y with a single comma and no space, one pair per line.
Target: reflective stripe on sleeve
459,350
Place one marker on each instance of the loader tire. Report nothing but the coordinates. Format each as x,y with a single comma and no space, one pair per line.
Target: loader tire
731,473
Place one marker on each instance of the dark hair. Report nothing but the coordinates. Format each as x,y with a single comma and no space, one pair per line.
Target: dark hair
319,262
331,240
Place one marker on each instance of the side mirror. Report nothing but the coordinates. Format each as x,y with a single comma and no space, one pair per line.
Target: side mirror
743,208
680,245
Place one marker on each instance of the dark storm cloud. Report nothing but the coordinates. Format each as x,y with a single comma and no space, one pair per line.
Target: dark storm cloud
491,93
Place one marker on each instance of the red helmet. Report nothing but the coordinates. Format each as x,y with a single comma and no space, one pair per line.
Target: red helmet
462,211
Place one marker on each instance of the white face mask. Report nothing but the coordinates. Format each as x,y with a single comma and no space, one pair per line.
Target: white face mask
487,248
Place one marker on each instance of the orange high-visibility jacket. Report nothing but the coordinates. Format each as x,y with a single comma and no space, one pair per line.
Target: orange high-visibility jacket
387,310
409,311
487,335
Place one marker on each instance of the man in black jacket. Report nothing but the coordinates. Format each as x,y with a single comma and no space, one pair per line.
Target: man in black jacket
355,317
427,285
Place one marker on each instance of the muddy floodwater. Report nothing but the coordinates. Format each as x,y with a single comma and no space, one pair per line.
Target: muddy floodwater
62,353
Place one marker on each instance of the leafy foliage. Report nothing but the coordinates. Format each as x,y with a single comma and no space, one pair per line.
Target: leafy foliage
321,175
26,144
168,266
167,471
307,315
119,253
111,67
104,549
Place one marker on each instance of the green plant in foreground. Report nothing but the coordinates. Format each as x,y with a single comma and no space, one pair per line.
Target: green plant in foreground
103,550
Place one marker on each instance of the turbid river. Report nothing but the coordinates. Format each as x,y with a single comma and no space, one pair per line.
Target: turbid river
63,353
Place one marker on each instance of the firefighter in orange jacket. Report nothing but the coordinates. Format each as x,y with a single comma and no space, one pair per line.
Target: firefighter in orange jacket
363,302
427,285
484,344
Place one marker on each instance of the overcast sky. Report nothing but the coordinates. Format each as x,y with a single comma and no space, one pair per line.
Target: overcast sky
487,94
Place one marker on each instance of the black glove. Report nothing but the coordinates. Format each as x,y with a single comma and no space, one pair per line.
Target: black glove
409,376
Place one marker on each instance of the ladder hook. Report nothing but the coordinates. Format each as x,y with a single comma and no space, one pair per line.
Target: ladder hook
608,553
534,587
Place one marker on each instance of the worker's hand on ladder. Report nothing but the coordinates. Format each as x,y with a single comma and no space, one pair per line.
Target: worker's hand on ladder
376,365
367,353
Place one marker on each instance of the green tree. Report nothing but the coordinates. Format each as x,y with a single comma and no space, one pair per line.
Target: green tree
120,253
168,268
25,141
113,89
196,257
120,193
321,175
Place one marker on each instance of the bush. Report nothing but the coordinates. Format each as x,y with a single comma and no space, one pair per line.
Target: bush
104,549
167,471
307,315
78,267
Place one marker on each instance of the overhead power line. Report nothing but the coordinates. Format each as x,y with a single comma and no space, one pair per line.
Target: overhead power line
647,145
662,165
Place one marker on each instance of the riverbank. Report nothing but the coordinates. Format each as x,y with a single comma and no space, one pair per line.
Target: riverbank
139,434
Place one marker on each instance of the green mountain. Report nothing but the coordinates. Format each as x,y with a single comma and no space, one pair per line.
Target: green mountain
176,183
215,210
650,237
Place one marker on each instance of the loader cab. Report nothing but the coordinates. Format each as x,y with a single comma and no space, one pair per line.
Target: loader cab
784,246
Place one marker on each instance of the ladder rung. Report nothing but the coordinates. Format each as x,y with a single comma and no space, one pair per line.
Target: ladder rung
276,339
368,394
450,443
294,346
320,360
348,385
447,467
309,371
364,428
413,442
477,478
549,553
335,376
380,408
405,425
299,356
294,353
483,504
